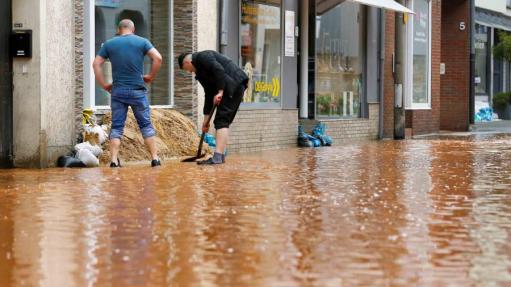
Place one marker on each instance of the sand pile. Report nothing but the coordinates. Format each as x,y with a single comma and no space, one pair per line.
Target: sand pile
176,137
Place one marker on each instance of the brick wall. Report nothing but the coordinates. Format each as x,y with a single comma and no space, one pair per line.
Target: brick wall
349,130
388,101
455,89
428,121
78,43
420,121
185,40
255,130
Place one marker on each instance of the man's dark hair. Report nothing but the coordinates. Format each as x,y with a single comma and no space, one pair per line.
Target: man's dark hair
181,58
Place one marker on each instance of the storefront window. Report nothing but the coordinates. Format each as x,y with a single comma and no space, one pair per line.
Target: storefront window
481,65
340,54
151,18
261,49
421,55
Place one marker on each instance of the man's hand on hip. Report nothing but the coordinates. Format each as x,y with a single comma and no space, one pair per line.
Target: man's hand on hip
218,97
107,87
148,79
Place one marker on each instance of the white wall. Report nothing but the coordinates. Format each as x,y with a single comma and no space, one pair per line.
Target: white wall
43,112
58,112
27,87
207,29
493,5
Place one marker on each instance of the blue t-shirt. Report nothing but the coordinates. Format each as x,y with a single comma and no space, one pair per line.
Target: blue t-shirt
126,53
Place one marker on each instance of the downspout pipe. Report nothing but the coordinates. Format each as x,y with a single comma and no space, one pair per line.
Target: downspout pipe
219,9
399,76
381,67
471,107
304,61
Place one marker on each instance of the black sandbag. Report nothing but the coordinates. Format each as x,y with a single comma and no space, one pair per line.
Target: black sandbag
69,161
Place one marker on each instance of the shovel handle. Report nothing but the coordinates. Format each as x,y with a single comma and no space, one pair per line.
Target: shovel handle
203,135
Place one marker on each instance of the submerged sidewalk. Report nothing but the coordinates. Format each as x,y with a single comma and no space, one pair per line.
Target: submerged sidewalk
382,213
495,127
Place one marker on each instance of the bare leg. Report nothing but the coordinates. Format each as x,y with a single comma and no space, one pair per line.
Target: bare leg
151,147
114,149
222,138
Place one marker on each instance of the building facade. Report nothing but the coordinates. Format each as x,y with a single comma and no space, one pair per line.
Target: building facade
437,71
492,75
308,62
53,86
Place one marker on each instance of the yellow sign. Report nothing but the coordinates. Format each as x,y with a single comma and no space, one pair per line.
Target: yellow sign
271,88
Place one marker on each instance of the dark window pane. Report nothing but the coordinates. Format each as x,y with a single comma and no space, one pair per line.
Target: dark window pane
151,18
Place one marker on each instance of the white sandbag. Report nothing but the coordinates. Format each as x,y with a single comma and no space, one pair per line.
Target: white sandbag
86,156
88,128
94,149
101,133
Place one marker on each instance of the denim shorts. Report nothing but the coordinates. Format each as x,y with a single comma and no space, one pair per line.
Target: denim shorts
122,98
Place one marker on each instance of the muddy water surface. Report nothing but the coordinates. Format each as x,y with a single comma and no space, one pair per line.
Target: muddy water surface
414,213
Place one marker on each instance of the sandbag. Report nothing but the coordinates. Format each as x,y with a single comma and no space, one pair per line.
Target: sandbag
303,138
96,150
88,158
69,161
319,132
101,133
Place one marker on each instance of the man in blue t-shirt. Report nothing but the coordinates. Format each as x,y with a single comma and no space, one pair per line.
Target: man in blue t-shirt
126,53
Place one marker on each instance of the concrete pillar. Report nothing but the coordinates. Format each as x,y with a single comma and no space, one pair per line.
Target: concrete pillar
207,39
43,107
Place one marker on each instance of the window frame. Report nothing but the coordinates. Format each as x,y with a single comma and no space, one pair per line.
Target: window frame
89,40
489,61
409,104
265,106
363,93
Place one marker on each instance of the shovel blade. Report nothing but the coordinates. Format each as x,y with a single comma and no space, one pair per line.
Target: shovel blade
192,159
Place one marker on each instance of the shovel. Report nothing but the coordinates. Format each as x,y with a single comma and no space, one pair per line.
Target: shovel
199,151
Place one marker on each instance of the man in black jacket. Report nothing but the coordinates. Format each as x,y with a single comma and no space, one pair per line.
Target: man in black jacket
224,83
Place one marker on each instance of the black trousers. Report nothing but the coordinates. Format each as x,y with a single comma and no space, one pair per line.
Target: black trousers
226,111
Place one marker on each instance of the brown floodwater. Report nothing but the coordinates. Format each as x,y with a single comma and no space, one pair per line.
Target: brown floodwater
433,212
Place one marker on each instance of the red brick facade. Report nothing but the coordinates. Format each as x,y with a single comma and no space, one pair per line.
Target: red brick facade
428,121
455,84
450,92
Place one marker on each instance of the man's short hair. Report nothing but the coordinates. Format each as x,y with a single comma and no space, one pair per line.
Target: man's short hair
181,58
126,24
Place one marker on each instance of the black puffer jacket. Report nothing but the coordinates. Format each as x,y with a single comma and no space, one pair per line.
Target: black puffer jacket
216,72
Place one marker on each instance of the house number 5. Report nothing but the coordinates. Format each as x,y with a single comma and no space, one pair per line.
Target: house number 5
462,26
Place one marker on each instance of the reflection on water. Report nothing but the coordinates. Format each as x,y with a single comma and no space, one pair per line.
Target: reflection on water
429,212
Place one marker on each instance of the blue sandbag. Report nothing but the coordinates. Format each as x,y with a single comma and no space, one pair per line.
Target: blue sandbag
315,141
210,140
484,115
303,138
319,133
